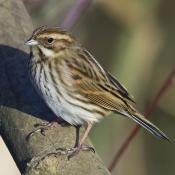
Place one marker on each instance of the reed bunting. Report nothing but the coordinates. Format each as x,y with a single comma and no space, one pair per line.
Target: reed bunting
75,86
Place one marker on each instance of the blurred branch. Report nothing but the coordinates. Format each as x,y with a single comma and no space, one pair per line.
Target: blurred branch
33,5
75,13
163,89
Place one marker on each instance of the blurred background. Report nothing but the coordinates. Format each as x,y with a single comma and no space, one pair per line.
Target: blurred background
135,41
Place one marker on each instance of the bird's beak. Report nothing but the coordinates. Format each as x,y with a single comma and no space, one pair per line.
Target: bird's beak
31,42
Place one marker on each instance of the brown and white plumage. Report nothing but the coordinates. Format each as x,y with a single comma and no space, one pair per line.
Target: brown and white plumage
74,85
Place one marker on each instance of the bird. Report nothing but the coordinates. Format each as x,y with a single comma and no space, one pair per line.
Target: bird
75,86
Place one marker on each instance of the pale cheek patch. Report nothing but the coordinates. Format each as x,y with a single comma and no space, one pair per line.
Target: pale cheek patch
47,52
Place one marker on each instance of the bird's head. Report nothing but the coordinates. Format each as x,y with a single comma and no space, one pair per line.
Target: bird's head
50,41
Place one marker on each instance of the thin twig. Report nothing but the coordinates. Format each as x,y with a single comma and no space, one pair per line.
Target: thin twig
75,13
165,86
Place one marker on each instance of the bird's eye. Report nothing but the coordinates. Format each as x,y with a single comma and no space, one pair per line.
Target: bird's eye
50,40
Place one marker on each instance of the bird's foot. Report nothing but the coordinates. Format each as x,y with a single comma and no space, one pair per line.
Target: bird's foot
41,128
34,162
71,152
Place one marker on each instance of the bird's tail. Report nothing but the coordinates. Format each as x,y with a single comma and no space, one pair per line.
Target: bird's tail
141,120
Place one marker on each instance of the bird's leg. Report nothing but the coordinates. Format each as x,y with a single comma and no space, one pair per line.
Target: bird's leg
77,136
83,146
42,127
80,146
89,127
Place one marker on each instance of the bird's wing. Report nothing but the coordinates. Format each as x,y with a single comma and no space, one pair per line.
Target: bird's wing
121,89
102,89
113,81
101,96
96,84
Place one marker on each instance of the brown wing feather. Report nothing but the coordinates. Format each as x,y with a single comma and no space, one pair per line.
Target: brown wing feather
98,85
112,80
97,95
103,93
120,88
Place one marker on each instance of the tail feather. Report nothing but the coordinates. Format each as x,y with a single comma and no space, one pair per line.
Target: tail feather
141,120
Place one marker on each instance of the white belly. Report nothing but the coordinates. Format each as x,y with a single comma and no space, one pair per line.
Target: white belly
73,114
67,108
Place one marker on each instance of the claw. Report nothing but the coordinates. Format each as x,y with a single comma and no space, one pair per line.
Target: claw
42,128
32,133
89,149
42,131
74,151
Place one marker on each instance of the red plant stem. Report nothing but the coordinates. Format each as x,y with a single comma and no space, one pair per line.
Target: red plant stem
75,13
165,86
